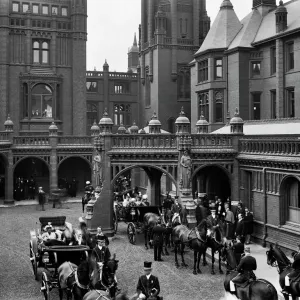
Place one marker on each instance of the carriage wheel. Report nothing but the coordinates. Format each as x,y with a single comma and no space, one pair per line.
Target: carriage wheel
33,261
131,233
45,286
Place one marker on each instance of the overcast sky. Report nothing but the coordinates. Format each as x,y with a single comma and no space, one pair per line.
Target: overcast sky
112,24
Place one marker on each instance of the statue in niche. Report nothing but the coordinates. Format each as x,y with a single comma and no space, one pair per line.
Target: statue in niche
97,169
186,170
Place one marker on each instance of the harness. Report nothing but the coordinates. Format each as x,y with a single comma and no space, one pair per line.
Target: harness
74,272
275,264
197,235
107,287
101,295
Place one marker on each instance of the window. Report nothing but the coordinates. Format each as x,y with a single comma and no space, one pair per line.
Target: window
219,106
204,105
25,7
92,115
122,114
122,88
35,8
54,10
45,10
290,103
255,68
64,11
41,102
273,60
256,106
218,68
184,83
203,70
40,52
15,7
273,104
91,86
290,56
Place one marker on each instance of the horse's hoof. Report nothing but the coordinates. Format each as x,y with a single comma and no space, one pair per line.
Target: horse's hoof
195,272
199,271
212,272
184,264
221,272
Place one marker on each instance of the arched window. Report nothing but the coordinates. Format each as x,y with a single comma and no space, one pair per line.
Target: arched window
219,106
91,115
122,114
40,52
204,105
41,102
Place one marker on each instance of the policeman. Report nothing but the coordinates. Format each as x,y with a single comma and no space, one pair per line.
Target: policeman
88,187
212,219
148,285
101,252
157,236
245,268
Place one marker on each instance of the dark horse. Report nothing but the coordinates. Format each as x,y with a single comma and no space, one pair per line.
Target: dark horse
277,258
259,289
195,238
215,243
149,220
75,280
104,276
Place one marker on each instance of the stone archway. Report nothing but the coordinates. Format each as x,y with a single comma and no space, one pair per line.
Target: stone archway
154,174
289,199
74,167
3,171
26,168
214,180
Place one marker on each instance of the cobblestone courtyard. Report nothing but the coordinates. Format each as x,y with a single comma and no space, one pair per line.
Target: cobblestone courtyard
16,276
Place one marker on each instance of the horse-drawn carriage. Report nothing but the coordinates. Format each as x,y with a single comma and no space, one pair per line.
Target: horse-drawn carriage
50,255
134,217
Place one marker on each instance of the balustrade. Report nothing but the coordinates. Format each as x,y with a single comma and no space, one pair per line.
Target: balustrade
75,140
31,141
185,41
209,140
276,146
4,136
168,40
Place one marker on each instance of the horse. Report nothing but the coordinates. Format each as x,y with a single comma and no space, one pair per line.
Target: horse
104,276
75,280
195,238
277,258
149,220
215,242
259,289
102,295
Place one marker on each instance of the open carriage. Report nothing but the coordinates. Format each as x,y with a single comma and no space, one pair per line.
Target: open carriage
134,217
49,258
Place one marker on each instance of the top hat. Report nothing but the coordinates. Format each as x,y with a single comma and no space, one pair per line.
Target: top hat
81,220
100,237
147,265
212,206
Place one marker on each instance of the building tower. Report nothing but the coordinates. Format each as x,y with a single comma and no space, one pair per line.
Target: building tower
133,56
171,32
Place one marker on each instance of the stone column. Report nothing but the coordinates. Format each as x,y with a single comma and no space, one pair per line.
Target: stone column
9,184
280,74
53,140
174,39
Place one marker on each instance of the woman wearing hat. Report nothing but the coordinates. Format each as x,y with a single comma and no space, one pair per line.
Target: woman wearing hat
148,285
49,234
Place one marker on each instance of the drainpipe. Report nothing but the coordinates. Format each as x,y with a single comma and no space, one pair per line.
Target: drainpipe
265,207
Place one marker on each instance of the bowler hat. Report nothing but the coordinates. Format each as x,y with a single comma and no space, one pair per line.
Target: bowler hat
100,237
147,265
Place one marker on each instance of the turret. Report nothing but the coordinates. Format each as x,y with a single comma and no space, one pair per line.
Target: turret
9,125
134,129
264,6
95,130
105,66
281,17
106,123
237,124
202,125
160,25
154,125
183,124
133,56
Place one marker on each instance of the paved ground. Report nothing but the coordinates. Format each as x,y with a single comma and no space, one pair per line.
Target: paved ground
16,276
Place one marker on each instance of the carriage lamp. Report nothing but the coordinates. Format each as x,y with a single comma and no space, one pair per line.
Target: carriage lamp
45,258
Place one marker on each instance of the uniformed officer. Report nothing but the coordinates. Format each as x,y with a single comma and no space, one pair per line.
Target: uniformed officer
88,187
245,268
157,236
212,219
101,252
148,285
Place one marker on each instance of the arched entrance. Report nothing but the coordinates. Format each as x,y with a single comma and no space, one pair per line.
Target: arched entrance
2,176
213,180
148,179
74,167
27,168
290,200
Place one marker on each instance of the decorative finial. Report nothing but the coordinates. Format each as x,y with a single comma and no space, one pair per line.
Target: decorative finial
281,3
134,40
95,69
236,114
154,116
202,117
134,124
182,113
105,114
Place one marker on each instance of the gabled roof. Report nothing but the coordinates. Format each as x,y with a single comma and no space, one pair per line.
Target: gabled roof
268,25
247,34
224,29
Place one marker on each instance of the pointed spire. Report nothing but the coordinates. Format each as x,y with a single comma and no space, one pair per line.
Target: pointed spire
134,40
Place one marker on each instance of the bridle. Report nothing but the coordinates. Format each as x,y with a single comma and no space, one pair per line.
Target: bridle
101,295
229,265
107,287
276,261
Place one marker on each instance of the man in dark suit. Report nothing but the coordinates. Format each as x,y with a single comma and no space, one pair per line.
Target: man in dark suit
176,207
238,248
148,285
240,226
101,252
157,236
201,212
248,221
245,268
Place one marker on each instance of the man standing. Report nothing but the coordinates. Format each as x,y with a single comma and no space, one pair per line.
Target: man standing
157,236
85,234
213,219
248,221
201,212
229,219
176,207
240,226
148,285
42,197
73,187
238,248
101,252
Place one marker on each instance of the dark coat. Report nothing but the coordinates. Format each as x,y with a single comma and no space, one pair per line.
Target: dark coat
238,249
296,263
146,286
105,237
247,263
212,222
157,234
176,208
201,213
42,198
248,221
240,228
101,255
